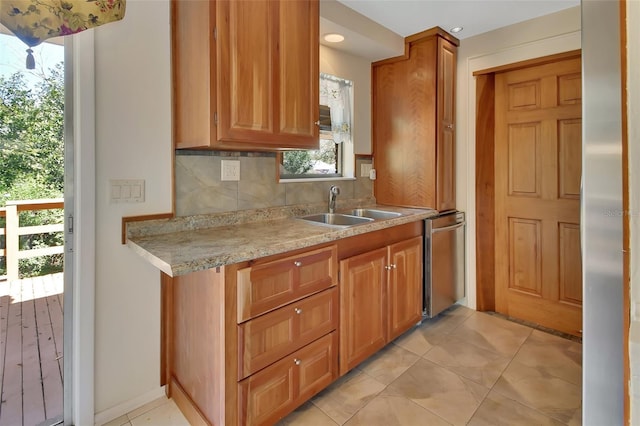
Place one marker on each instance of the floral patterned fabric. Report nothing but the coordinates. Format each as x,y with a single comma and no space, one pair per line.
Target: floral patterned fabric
34,21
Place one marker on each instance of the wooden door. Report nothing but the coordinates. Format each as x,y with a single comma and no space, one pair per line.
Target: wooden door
537,194
404,286
268,80
363,309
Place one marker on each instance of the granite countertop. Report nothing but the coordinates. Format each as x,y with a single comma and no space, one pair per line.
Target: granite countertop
182,245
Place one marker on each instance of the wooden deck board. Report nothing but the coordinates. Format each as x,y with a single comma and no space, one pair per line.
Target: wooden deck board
11,407
30,348
32,396
51,373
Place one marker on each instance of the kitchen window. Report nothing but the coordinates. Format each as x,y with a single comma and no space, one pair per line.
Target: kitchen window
335,157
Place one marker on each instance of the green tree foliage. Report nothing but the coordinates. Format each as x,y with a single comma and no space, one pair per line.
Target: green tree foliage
32,133
297,162
32,158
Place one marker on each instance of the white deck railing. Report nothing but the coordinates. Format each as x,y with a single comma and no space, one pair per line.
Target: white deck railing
12,232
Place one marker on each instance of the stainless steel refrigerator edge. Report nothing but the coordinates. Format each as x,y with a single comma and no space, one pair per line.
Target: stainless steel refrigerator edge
444,262
602,215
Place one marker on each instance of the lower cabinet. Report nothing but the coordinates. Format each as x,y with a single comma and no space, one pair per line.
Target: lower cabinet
247,343
268,395
380,298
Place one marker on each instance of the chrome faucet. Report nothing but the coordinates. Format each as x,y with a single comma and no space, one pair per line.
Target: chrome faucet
334,191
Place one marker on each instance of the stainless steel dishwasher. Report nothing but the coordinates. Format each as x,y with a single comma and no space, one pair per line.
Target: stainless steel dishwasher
444,266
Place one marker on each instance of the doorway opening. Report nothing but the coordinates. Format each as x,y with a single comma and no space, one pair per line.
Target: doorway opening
32,175
528,169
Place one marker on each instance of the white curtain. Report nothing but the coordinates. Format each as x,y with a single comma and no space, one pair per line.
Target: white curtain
336,94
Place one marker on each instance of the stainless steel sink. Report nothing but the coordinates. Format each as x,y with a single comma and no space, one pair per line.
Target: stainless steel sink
336,219
374,213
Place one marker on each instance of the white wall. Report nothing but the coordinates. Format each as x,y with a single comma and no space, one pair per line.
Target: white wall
547,35
133,141
358,70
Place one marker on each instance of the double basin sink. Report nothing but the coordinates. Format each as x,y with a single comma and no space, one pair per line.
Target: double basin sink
350,218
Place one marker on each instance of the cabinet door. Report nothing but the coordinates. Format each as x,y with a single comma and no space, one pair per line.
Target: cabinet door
363,309
446,164
405,286
266,339
268,286
194,64
268,56
272,393
404,127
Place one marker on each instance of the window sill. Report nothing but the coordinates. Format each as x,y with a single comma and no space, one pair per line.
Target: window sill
316,179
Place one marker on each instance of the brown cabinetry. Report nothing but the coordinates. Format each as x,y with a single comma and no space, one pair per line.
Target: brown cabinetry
264,287
413,116
381,297
245,74
264,340
270,394
247,343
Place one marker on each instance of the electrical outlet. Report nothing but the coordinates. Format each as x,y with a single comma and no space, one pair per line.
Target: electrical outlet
365,169
230,170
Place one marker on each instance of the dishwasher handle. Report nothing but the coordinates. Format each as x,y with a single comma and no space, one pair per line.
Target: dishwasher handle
448,228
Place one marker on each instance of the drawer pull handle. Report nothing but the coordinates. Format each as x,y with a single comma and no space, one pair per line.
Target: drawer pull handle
296,361
297,263
297,310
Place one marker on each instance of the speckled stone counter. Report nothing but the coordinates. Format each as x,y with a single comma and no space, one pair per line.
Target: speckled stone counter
182,245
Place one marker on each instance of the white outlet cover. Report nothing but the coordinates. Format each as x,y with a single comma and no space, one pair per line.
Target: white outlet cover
230,170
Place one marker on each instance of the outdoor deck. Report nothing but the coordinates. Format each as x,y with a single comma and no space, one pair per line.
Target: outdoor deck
31,350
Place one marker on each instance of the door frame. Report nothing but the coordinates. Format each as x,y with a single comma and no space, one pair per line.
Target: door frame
79,285
485,174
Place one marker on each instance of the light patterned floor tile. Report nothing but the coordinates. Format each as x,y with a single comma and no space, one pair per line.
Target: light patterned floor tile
388,364
307,415
552,355
167,414
498,410
147,407
120,421
450,396
480,365
535,388
425,336
344,398
394,410
492,333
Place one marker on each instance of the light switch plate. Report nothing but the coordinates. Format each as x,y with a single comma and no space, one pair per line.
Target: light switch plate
126,190
230,170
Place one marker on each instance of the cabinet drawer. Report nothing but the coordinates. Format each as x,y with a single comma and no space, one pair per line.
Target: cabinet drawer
269,395
265,287
266,339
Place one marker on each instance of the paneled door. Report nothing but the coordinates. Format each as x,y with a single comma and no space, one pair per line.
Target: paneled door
537,194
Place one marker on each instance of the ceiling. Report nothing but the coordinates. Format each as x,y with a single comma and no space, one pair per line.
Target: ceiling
400,18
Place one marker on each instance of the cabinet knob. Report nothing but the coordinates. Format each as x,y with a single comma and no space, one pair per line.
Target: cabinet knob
390,267
297,310
297,263
449,126
317,123
296,361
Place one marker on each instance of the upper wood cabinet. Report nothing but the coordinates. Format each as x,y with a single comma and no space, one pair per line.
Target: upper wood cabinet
245,74
413,116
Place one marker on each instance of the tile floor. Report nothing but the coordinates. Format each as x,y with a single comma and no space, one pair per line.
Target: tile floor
463,367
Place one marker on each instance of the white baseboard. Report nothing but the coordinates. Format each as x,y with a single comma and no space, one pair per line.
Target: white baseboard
128,406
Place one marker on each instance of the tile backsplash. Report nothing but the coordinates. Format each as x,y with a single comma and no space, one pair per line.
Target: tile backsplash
199,189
